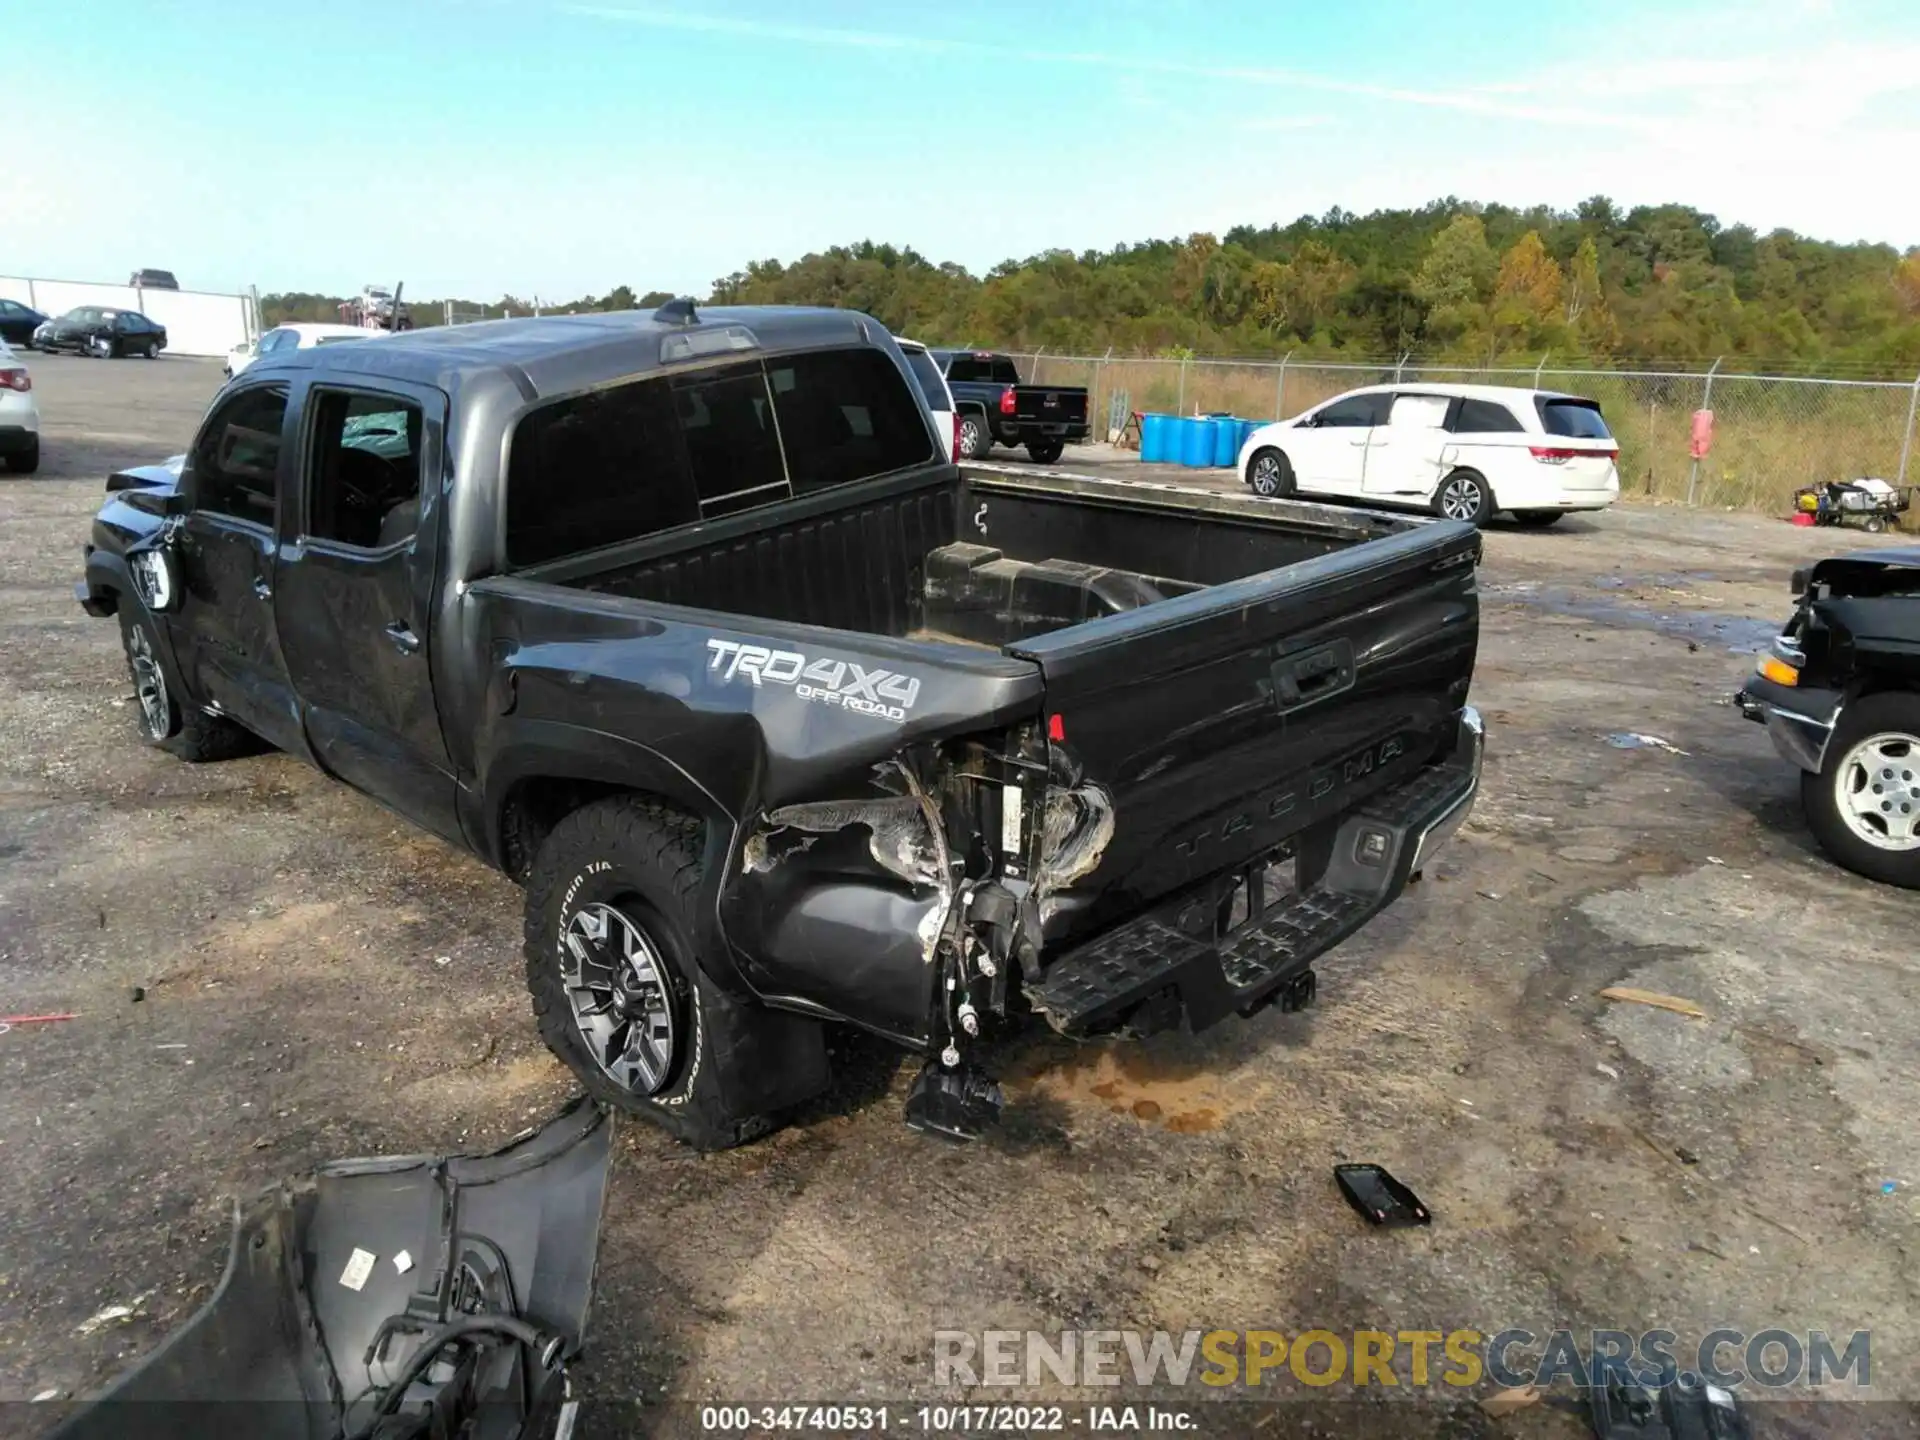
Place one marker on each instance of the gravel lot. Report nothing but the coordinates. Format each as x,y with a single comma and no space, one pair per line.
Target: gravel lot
321,980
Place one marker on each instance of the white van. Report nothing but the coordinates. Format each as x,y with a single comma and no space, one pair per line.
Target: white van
1462,451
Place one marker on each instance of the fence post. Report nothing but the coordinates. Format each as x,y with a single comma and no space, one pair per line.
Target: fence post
1541,366
1706,403
1400,365
1280,389
1906,442
1180,405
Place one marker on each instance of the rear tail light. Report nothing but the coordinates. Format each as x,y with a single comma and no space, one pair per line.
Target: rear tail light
1006,401
953,452
1560,454
13,379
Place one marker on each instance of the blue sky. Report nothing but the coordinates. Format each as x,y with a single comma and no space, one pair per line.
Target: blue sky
559,147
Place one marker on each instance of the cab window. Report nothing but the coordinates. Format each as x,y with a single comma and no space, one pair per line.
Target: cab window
363,478
236,460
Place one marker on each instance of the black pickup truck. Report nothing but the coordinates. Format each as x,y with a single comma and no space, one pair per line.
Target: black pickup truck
1839,693
996,409
685,621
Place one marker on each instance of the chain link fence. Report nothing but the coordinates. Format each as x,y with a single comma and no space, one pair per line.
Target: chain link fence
1771,434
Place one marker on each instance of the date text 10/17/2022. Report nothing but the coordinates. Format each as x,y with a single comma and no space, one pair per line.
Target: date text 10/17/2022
946,1419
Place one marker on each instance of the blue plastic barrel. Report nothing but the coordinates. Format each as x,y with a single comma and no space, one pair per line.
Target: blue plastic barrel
1153,438
1247,427
1196,443
1226,440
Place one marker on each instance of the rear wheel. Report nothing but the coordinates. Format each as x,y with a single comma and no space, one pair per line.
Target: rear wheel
1864,805
1464,495
975,438
610,919
1045,452
25,462
1270,473
1538,519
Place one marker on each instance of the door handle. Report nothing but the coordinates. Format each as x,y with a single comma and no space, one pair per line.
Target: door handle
403,638
261,588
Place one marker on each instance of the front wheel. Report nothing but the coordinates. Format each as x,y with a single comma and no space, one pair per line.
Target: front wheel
612,909
1539,519
102,348
975,438
1045,452
1464,495
152,352
163,721
1864,805
1270,474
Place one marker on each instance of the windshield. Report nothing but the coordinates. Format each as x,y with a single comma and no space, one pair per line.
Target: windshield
1580,419
927,375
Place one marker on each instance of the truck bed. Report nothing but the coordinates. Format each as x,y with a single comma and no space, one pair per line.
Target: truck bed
999,557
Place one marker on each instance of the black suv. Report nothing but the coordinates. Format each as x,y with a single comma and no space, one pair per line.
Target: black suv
153,280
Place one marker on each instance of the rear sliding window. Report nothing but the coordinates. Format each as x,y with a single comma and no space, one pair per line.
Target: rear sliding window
1580,419
615,465
845,415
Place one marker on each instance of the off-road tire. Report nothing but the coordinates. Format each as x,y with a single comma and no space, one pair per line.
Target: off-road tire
643,860
1538,519
1045,452
187,732
1276,481
1890,712
25,462
1470,484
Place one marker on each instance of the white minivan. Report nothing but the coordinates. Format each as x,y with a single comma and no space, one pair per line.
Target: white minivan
1462,451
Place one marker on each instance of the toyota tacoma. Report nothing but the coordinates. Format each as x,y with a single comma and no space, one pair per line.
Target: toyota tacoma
685,621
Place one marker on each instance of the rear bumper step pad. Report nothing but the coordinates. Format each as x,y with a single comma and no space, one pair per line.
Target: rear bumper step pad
1378,846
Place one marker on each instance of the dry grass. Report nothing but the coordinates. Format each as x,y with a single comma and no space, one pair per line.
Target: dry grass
1771,436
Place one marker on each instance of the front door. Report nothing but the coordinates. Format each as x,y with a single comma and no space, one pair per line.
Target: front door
1332,457
1404,455
223,630
353,593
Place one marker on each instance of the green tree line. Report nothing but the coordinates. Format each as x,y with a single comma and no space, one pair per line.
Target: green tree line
1666,286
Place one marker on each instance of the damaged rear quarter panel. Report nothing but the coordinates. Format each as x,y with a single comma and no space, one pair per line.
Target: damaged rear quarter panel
754,727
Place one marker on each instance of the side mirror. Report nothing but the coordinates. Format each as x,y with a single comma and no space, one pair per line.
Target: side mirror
155,578
176,503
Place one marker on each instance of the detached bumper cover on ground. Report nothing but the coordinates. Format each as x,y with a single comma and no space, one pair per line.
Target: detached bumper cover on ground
1154,959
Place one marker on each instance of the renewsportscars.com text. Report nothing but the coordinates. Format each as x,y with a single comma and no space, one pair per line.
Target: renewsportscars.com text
1773,1359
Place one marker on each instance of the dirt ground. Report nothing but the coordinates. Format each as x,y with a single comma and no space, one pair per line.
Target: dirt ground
320,980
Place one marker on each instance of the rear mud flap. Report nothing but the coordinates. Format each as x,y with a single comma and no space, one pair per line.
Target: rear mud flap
336,1285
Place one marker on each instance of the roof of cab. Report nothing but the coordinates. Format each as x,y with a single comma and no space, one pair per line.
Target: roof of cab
557,354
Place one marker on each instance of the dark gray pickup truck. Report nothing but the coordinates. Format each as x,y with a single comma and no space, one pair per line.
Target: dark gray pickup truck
684,621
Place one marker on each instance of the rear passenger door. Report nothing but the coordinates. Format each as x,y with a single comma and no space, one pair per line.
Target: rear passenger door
353,596
1405,455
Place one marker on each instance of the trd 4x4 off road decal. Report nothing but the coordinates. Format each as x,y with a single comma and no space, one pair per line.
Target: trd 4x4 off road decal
822,679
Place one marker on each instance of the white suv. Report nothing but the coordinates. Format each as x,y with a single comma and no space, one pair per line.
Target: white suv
19,414
1462,451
